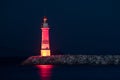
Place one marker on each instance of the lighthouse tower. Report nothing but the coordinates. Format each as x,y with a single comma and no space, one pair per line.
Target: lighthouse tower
45,46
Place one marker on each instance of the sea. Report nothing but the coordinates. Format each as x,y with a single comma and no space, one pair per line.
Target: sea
59,72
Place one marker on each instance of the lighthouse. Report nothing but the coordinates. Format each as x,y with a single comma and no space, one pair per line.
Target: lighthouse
45,44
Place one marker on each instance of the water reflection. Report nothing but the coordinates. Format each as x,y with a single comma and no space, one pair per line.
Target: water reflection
45,71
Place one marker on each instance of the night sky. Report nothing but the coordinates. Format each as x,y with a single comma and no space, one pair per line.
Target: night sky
77,26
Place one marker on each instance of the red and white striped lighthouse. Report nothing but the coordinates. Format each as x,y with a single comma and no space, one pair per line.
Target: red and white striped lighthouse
45,45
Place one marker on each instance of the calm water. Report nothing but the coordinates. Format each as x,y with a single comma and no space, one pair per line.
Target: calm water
50,72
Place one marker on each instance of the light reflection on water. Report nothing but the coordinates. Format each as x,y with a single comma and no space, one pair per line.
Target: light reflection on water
51,72
45,71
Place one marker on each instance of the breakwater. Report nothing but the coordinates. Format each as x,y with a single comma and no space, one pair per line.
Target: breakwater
74,59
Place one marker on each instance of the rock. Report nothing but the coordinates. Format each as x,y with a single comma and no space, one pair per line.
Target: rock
74,59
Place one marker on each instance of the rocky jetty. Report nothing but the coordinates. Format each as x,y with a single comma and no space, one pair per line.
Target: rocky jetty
74,59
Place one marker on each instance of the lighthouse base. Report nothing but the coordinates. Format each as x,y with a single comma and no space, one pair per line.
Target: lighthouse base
45,52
